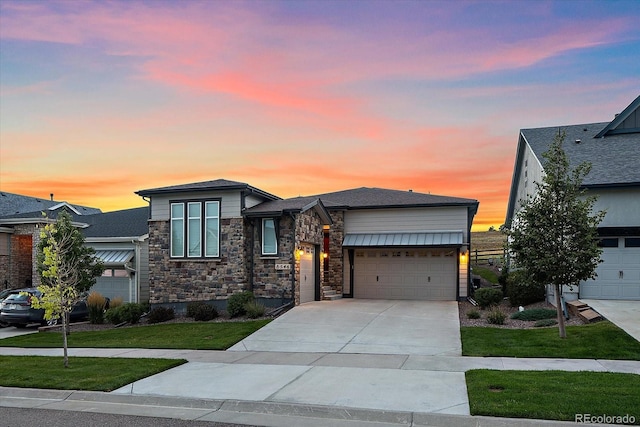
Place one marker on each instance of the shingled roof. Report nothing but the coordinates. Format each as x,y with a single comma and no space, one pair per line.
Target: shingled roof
15,204
215,185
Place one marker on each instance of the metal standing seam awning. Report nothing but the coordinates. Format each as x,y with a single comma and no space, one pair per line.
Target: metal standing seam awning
115,258
435,238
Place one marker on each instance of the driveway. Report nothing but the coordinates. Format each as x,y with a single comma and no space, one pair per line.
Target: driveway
625,314
429,328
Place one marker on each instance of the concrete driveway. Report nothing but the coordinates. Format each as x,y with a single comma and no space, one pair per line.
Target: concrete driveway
429,328
625,314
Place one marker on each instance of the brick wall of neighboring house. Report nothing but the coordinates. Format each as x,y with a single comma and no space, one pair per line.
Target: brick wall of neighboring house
24,248
5,259
183,280
267,281
334,275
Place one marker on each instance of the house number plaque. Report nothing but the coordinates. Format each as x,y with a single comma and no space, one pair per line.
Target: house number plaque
283,266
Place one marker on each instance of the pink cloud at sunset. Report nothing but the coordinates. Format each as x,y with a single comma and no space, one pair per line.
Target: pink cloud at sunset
101,99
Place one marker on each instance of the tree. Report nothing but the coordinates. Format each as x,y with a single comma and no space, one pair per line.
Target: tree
554,237
67,268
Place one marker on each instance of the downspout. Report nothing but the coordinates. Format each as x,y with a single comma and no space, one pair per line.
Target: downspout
251,260
293,269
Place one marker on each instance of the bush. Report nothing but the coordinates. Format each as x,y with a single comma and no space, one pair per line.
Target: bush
545,322
254,309
535,314
236,303
129,312
116,302
204,313
496,317
522,291
96,304
193,307
486,297
160,314
473,314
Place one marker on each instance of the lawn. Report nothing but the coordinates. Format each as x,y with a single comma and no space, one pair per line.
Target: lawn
553,395
602,340
83,373
192,336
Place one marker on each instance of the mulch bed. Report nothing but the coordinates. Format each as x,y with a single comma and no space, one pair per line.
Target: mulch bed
509,323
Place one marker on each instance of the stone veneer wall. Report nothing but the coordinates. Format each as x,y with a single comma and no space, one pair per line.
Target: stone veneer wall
184,280
267,281
308,231
334,276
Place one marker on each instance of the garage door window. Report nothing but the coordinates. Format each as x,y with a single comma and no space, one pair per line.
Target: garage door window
632,242
609,242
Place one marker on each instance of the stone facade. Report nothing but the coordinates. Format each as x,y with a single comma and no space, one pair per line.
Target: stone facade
184,280
308,232
335,273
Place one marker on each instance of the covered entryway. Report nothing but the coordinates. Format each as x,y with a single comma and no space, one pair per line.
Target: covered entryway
618,274
117,280
307,274
405,266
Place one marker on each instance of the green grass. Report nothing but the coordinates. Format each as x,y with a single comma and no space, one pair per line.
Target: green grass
486,274
535,314
602,340
552,395
193,336
83,373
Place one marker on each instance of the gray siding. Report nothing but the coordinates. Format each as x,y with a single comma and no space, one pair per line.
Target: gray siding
622,206
530,173
143,272
230,205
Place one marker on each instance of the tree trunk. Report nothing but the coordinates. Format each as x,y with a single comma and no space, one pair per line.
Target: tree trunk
561,329
65,326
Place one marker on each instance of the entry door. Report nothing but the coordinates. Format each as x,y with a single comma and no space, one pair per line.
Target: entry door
307,275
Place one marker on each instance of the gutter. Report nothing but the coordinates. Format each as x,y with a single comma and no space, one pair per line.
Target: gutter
293,269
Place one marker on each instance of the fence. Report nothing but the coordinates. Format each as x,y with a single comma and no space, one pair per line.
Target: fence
488,257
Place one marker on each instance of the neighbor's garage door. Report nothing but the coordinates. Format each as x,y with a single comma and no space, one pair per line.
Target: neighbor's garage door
618,274
307,275
421,274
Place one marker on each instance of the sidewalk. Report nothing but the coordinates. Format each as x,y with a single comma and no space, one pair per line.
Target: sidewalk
307,389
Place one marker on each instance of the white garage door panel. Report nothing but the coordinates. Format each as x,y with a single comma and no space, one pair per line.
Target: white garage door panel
405,274
610,284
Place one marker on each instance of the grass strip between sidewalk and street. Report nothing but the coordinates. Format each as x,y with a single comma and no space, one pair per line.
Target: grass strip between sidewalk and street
83,373
602,340
191,336
553,395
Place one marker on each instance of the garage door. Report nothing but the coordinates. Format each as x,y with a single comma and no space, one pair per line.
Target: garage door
618,274
307,275
420,274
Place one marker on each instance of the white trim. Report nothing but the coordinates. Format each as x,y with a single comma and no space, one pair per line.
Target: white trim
64,204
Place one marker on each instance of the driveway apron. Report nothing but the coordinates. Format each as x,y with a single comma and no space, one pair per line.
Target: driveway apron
625,314
429,328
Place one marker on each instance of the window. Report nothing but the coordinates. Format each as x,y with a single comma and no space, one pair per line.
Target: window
608,242
269,237
632,242
201,224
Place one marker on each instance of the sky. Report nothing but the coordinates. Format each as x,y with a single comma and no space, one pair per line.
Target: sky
102,99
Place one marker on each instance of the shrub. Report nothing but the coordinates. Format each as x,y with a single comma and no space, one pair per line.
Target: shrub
535,314
545,322
236,303
116,302
96,304
160,314
522,291
473,314
486,297
129,312
254,309
205,312
496,317
192,308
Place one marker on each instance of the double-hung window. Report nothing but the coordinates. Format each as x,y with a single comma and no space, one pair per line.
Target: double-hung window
195,229
269,237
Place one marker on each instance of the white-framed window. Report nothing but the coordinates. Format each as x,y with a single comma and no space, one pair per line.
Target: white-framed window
269,237
192,223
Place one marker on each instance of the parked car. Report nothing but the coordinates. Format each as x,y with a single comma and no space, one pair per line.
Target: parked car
3,295
16,310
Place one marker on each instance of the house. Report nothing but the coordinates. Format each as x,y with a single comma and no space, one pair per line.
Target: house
613,149
119,238
209,240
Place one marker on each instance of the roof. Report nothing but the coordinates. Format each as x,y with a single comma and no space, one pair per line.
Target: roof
294,205
14,204
438,238
612,148
115,257
123,223
215,185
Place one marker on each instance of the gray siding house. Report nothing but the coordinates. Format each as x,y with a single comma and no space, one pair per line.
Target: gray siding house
211,239
613,149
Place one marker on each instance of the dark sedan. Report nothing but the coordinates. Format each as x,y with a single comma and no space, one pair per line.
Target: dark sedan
16,310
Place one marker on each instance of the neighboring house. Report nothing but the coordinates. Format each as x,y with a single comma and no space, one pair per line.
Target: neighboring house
212,239
613,149
120,240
